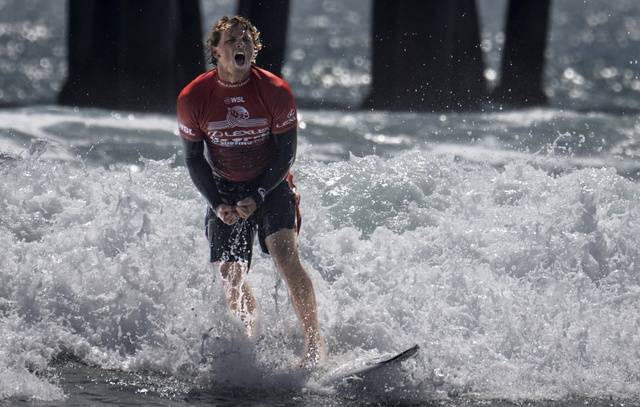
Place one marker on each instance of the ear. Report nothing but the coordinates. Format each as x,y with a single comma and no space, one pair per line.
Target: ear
215,52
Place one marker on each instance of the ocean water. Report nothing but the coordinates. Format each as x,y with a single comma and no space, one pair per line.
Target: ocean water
504,243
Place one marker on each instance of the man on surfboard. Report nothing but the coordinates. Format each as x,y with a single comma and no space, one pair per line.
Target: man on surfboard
246,117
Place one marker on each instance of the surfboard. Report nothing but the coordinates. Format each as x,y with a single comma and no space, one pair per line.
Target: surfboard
369,367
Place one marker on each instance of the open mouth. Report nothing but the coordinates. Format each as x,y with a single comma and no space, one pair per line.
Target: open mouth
240,59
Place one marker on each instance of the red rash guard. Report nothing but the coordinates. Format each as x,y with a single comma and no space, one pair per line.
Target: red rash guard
237,120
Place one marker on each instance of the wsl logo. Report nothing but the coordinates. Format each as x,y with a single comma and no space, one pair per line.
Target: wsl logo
186,130
236,99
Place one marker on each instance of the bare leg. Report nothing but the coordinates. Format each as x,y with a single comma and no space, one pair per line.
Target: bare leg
283,250
240,298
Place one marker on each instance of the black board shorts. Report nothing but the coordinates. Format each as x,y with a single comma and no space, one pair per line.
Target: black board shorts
234,243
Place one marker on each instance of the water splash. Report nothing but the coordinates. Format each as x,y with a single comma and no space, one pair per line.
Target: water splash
517,283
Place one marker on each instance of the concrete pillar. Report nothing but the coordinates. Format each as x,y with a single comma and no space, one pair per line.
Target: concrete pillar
271,17
521,81
132,54
426,56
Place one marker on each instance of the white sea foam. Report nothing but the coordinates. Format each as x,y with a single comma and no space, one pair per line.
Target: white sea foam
517,282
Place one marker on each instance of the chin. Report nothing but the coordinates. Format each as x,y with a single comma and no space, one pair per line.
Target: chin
243,69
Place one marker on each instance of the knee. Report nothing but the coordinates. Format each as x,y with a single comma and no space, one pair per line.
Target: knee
283,249
232,273
294,273
287,259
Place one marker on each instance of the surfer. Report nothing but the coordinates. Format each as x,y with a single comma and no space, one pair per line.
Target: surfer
246,117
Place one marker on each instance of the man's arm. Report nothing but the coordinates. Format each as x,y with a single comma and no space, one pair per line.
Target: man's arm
200,171
286,144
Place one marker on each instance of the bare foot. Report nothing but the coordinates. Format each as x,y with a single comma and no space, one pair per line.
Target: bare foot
250,327
315,352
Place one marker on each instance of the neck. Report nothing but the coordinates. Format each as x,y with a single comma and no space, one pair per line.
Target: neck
231,78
